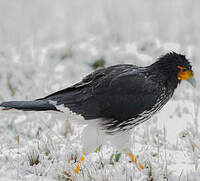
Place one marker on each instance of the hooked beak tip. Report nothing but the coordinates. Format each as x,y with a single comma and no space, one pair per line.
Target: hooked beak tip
193,82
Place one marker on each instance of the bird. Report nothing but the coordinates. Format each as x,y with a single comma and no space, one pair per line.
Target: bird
118,97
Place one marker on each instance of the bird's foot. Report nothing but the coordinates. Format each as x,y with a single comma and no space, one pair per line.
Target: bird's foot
80,163
134,160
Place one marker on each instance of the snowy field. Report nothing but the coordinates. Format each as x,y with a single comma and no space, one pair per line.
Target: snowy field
46,46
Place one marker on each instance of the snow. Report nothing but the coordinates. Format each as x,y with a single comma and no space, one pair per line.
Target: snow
46,46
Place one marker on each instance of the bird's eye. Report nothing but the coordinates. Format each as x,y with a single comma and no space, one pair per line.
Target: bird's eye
184,70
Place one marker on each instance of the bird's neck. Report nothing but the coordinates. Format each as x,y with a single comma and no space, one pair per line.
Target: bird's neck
165,75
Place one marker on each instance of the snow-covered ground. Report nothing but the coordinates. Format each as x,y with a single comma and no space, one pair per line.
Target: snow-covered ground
49,45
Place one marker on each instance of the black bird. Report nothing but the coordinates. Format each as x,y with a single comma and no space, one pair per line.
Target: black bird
122,96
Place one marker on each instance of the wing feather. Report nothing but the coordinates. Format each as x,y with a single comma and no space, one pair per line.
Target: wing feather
119,92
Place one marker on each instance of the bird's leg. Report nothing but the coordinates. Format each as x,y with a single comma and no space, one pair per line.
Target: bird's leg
134,159
80,163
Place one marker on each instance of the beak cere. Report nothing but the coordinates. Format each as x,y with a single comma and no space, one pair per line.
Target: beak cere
187,75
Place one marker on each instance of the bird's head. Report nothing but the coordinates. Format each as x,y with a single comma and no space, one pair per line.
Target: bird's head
177,67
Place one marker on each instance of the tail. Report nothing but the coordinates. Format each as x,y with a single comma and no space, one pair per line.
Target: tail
36,105
77,98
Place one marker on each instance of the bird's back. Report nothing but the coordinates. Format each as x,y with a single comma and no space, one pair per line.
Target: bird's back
120,95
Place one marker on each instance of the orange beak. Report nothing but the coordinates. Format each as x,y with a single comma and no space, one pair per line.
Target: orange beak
187,75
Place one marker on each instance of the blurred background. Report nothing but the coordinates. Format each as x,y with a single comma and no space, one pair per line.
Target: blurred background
37,33
49,45
46,22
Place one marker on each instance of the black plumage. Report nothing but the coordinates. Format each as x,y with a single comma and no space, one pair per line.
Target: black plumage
122,96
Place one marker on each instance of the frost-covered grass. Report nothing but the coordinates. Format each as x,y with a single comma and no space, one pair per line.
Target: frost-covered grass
47,48
46,146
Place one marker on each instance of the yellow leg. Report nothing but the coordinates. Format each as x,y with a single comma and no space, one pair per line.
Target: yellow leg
79,163
134,160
